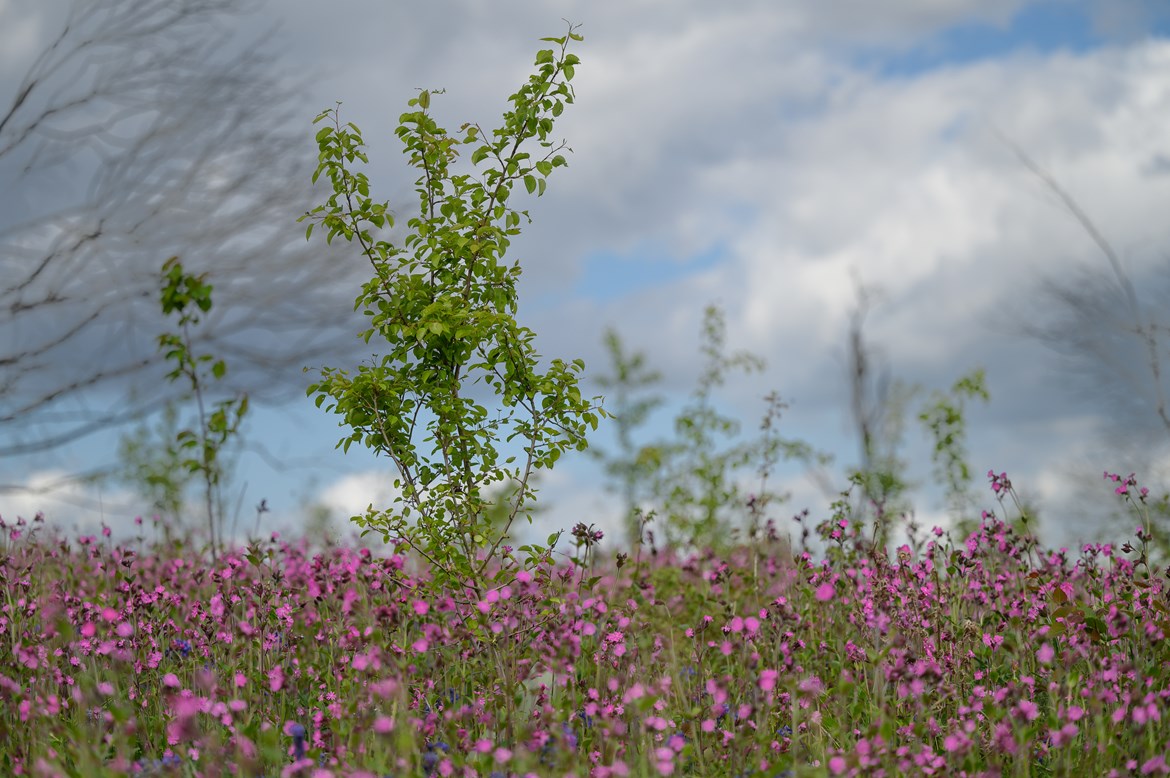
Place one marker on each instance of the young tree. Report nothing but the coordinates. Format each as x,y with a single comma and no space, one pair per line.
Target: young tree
444,301
631,467
189,296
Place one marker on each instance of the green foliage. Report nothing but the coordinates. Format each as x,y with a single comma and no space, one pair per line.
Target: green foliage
882,480
500,500
693,480
444,302
944,420
631,466
885,483
189,295
153,464
771,449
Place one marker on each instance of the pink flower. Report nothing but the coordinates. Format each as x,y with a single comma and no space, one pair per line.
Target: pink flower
1044,654
1063,735
826,592
1028,709
276,678
768,680
837,765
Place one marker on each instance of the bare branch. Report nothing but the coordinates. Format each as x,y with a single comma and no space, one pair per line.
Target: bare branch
1082,302
146,129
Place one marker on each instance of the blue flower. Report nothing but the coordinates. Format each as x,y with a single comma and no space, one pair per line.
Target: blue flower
298,735
431,757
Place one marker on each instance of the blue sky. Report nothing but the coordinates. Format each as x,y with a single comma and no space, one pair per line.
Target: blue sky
762,157
1042,28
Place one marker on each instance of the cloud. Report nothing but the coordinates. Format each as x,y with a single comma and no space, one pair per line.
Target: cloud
352,494
21,33
905,184
72,507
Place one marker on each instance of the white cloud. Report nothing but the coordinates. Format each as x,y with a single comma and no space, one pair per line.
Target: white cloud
21,35
72,507
352,494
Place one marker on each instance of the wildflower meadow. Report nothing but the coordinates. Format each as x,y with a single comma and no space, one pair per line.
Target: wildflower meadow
720,638
982,655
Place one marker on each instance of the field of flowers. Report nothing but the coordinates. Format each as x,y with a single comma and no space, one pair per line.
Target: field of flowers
981,655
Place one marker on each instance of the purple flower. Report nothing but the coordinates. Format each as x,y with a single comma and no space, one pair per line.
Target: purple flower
298,735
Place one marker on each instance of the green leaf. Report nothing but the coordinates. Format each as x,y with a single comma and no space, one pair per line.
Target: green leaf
530,183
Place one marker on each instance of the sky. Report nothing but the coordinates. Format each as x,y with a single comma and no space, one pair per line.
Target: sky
766,158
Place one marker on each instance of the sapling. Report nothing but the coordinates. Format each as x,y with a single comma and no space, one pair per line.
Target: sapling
188,295
692,484
152,462
631,465
444,302
694,481
943,417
